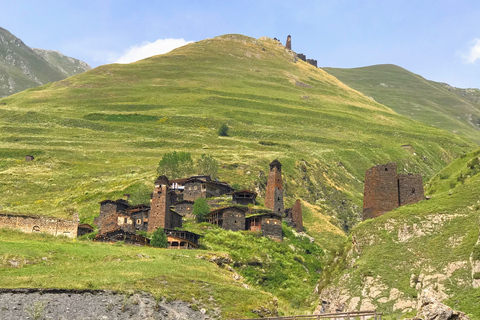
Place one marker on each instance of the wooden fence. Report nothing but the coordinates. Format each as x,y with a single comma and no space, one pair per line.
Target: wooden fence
354,315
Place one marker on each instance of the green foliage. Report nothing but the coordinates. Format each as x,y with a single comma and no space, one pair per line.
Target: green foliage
476,275
476,253
176,165
207,165
275,267
159,239
200,209
88,236
223,130
139,193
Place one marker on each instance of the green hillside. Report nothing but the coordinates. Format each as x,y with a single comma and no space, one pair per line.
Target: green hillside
100,133
436,104
433,244
22,67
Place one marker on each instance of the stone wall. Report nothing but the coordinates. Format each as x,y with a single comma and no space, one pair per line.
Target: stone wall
53,226
184,208
193,190
410,188
313,62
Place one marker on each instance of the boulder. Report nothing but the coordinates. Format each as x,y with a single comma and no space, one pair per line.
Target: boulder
432,309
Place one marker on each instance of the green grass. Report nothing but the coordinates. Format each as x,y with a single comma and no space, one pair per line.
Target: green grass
433,103
48,262
426,238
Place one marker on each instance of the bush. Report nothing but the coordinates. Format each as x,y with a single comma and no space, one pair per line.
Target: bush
159,239
207,165
200,209
223,130
176,165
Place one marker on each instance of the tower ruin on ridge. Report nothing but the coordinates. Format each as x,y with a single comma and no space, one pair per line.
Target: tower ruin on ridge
274,194
288,44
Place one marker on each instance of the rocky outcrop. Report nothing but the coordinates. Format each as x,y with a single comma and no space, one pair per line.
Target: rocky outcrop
432,309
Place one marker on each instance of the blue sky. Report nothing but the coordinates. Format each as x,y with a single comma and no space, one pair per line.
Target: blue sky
440,40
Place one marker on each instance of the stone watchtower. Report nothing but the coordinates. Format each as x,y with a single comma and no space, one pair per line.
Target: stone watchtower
380,193
160,216
288,44
274,194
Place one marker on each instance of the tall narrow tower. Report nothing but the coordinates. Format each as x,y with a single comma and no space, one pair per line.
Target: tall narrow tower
288,44
274,194
159,215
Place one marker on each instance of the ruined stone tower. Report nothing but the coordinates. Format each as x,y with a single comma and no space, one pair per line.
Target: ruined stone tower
385,190
297,215
380,193
288,44
159,216
274,194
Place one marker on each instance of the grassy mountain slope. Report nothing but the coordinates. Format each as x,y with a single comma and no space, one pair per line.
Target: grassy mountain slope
433,103
22,67
433,244
102,133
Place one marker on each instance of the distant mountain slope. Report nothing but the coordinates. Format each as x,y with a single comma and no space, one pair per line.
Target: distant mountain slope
433,103
22,67
433,244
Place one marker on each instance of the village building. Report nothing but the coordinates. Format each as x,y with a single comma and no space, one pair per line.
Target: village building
122,235
201,187
182,239
228,218
268,223
385,190
84,229
244,197
184,208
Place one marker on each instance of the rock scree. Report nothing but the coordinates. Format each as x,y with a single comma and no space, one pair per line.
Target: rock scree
90,304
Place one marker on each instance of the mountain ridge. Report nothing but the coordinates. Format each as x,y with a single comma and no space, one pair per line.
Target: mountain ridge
22,67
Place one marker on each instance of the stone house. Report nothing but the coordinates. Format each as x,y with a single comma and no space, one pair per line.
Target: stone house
268,223
83,229
244,197
182,239
184,208
228,218
196,187
385,190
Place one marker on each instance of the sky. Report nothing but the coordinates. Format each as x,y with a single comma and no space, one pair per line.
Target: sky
439,40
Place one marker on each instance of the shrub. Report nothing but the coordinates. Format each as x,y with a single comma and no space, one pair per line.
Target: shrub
175,165
207,165
159,239
200,209
223,130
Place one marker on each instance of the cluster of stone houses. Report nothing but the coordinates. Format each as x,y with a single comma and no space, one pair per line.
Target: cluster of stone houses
172,200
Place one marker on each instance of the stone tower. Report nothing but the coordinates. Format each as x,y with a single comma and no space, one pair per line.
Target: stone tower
297,216
380,193
288,44
410,188
274,194
159,215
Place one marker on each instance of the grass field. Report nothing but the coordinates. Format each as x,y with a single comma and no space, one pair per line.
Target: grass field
433,103
101,134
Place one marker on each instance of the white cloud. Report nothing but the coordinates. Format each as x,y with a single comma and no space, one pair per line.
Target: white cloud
473,53
148,49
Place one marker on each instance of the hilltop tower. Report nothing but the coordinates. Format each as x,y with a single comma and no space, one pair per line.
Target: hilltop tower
274,194
159,216
288,44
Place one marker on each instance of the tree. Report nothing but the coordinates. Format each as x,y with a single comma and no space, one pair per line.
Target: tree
207,165
200,209
176,165
159,239
223,130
